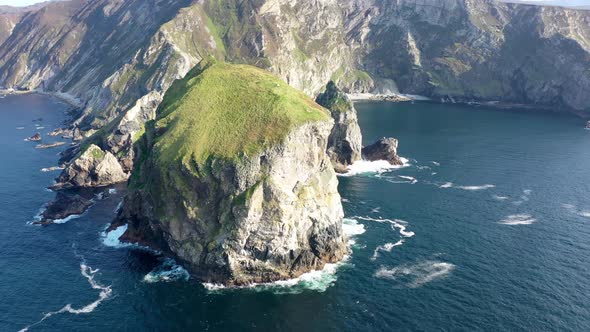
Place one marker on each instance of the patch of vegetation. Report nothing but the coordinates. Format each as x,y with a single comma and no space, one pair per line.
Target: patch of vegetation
333,99
227,111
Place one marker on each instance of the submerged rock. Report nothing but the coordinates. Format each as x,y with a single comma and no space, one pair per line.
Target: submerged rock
63,206
233,179
383,149
345,141
94,168
50,145
35,138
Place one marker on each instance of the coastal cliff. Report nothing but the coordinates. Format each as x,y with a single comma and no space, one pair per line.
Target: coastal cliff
233,179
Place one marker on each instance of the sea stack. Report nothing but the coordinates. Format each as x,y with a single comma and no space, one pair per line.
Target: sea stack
383,149
233,179
345,142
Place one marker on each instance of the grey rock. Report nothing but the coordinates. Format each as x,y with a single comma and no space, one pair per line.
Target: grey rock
383,149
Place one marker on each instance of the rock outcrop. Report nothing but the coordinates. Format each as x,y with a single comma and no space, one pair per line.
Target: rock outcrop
345,141
93,168
35,138
234,181
383,149
63,206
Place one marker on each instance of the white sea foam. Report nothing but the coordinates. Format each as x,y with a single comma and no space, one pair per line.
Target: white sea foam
20,128
318,281
119,207
65,220
477,188
409,178
414,276
585,214
388,247
399,224
378,167
168,271
112,191
435,163
89,274
468,188
573,209
111,239
500,198
518,219
51,169
524,197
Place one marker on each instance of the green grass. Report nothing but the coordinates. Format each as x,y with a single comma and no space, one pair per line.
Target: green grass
228,111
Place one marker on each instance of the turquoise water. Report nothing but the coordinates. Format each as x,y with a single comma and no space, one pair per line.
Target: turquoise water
487,228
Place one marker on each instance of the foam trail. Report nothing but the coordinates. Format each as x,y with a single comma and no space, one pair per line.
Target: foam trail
447,185
380,166
518,219
435,163
388,247
500,198
414,276
401,225
411,179
89,274
476,188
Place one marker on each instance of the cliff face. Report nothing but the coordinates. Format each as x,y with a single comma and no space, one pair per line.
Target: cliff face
119,57
257,209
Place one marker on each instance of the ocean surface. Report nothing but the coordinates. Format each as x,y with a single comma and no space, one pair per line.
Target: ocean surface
486,228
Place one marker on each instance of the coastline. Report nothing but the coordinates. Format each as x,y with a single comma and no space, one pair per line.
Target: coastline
491,104
64,97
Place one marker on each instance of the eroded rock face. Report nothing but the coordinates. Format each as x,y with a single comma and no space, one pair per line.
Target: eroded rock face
345,141
271,216
93,168
383,149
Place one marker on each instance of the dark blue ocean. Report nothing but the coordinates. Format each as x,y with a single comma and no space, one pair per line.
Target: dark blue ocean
486,229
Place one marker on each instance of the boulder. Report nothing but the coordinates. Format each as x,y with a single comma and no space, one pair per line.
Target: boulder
383,149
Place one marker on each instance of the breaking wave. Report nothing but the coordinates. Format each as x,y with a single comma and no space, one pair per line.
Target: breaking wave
111,239
380,166
468,188
518,219
414,276
168,271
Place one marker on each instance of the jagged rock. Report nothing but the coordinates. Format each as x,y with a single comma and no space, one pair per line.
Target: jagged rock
345,141
94,168
77,135
262,207
64,205
67,155
35,138
383,149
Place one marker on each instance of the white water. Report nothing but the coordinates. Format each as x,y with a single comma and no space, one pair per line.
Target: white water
111,239
89,274
388,247
416,275
168,271
378,167
518,219
399,224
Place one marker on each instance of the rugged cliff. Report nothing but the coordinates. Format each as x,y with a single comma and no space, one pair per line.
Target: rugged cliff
233,179
118,58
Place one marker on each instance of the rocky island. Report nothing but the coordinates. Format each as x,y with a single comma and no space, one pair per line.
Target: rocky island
233,179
